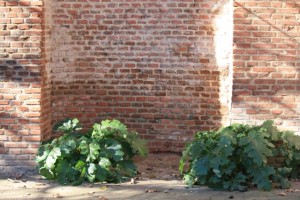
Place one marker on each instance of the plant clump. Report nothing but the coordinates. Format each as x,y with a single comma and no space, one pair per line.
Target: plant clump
103,154
239,156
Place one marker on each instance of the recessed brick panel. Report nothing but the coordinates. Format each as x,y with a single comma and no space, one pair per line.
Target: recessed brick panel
151,64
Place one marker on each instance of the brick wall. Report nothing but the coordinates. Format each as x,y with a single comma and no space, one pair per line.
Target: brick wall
151,64
46,71
267,62
21,88
164,68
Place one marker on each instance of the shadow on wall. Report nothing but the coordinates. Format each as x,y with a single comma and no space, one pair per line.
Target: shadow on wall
150,64
21,76
19,112
267,63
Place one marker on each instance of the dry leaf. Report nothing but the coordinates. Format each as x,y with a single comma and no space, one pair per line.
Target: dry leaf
57,196
14,181
151,176
133,181
103,188
290,190
281,194
91,193
103,198
40,184
151,191
18,174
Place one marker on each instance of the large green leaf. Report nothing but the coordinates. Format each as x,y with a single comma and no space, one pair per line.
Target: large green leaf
230,168
99,132
236,183
52,157
227,137
201,166
91,172
90,150
224,146
291,139
108,128
43,157
185,156
189,179
104,162
68,146
271,130
93,151
81,167
139,146
261,177
47,173
68,125
114,149
282,177
84,147
66,173
198,149
215,162
257,147
114,124
127,168
101,174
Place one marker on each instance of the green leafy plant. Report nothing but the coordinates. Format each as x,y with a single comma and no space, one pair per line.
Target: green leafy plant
234,157
103,154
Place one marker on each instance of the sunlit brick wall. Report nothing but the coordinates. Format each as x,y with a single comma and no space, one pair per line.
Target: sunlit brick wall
21,77
158,66
267,62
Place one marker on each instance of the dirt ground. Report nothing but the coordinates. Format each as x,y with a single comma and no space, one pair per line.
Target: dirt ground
158,180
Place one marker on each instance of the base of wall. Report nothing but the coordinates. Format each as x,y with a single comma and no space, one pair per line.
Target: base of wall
17,172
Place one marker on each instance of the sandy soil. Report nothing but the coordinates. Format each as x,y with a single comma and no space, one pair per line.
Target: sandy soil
158,180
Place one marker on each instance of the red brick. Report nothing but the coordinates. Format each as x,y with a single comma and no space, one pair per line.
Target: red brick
32,138
277,112
158,73
274,81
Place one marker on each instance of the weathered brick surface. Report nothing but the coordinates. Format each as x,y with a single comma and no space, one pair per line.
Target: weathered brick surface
21,81
46,70
164,68
267,62
151,64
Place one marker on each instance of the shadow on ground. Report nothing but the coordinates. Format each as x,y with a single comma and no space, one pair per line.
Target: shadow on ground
157,180
37,188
